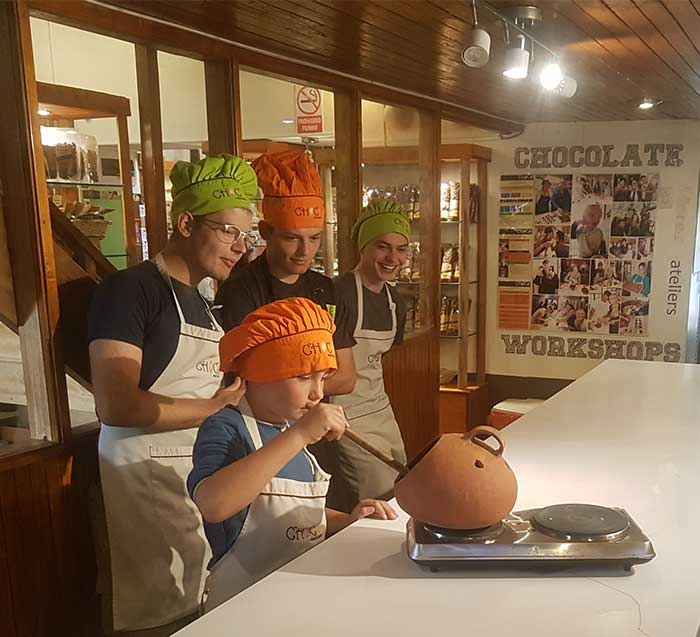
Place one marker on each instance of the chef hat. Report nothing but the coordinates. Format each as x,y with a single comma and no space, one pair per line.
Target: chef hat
292,190
280,340
380,217
212,184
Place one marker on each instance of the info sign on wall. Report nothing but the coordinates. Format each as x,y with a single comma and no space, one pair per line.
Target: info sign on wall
594,246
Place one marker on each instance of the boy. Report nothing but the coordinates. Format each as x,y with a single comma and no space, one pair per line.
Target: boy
588,236
261,494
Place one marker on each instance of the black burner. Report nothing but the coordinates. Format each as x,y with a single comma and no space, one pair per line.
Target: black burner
464,535
578,522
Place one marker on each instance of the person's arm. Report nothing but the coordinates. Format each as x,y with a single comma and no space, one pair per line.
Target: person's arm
116,370
373,509
343,381
233,487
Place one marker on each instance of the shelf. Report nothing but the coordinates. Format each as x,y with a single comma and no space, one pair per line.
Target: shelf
82,184
442,223
456,338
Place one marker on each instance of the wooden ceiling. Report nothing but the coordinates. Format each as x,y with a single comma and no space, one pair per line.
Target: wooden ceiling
619,51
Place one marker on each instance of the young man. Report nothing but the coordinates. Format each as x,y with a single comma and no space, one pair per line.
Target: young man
294,218
262,495
378,314
155,376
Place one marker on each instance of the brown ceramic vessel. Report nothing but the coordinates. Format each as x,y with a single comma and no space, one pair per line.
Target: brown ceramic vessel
459,482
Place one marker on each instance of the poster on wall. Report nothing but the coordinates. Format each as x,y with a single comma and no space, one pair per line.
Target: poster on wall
595,236
576,250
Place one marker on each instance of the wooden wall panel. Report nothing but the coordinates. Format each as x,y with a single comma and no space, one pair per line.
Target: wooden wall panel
151,147
411,376
47,557
348,181
221,107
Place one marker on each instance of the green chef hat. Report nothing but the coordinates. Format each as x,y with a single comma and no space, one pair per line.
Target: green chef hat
380,217
212,184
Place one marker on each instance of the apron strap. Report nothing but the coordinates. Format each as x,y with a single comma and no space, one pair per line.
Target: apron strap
159,262
361,308
250,423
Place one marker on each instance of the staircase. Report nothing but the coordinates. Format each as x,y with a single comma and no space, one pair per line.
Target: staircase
80,266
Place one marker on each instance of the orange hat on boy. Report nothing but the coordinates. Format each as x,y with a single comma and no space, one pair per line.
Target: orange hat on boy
292,192
280,340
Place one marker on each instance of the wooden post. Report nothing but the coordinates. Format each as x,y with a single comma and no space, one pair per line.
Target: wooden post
131,217
328,244
221,106
348,175
151,147
28,223
482,175
429,183
464,276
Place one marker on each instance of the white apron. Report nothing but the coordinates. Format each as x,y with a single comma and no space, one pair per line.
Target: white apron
284,521
369,411
158,551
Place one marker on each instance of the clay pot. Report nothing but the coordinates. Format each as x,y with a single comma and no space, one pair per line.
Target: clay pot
459,482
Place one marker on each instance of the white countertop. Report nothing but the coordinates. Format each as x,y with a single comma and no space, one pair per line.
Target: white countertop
626,434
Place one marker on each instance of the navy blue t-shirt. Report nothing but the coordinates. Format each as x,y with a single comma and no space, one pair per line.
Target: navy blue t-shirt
223,439
136,306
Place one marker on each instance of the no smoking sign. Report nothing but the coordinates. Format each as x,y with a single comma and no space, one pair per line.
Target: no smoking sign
309,110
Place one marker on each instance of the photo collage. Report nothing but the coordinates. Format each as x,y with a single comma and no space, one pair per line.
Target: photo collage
590,254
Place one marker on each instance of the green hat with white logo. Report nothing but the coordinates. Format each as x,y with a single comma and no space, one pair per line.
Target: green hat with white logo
380,217
212,184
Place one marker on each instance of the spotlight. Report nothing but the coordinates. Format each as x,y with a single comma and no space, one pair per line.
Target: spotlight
287,121
551,76
517,60
566,88
647,104
42,112
476,53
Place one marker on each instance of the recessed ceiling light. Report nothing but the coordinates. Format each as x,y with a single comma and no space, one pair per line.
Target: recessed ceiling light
647,103
287,121
42,112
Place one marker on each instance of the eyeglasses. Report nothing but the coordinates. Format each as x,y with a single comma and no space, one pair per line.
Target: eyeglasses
228,233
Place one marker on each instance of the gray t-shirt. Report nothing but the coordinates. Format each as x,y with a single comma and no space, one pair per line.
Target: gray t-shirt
377,315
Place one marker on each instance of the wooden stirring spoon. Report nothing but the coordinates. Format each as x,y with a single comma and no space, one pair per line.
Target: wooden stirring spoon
380,455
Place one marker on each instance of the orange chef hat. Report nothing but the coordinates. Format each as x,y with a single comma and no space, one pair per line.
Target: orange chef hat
291,187
280,340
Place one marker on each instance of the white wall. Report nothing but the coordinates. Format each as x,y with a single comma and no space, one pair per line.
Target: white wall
72,57
63,55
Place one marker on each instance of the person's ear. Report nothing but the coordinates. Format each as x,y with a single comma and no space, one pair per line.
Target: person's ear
185,224
266,230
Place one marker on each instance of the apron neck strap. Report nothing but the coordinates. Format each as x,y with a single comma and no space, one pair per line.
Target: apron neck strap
159,262
360,302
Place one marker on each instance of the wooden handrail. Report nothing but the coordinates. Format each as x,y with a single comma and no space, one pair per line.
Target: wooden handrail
83,251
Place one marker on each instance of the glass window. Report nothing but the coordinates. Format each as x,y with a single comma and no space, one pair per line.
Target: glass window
279,114
89,179
390,169
88,107
461,238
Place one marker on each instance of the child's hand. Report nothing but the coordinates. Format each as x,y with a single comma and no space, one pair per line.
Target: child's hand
322,421
373,509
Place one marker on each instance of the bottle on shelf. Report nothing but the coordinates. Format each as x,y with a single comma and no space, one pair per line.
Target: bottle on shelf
454,192
444,201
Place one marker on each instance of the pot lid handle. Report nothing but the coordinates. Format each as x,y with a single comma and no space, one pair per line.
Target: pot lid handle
489,432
